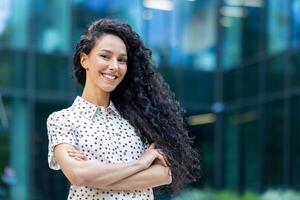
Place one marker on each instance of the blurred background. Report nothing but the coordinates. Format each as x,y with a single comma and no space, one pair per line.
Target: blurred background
234,65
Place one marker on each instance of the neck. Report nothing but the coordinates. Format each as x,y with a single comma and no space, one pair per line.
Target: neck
96,97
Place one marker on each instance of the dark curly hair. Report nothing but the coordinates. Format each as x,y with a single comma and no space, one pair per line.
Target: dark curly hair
145,100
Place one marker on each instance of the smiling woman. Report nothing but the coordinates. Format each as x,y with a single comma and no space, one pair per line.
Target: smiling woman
105,66
125,134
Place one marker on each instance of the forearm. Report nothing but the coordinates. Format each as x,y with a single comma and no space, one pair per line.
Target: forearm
93,173
155,175
97,174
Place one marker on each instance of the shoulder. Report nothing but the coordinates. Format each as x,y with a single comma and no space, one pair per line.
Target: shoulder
61,115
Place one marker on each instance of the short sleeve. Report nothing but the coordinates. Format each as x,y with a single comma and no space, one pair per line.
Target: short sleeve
59,131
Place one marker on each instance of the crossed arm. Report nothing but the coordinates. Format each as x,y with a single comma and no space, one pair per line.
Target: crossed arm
149,171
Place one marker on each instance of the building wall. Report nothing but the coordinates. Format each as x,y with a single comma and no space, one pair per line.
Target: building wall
233,66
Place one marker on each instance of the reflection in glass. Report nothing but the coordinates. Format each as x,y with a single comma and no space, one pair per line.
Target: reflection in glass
52,73
41,179
294,68
249,81
295,22
250,146
278,24
295,138
232,45
230,85
14,26
242,150
13,69
86,11
52,25
274,76
231,150
273,129
198,35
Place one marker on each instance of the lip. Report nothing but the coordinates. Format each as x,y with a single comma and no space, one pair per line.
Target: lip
107,78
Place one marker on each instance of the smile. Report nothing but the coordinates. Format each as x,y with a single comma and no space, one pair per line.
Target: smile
110,77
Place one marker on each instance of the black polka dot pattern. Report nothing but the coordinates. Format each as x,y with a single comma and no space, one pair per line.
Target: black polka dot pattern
101,134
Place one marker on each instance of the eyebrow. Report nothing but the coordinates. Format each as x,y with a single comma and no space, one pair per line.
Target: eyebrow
108,51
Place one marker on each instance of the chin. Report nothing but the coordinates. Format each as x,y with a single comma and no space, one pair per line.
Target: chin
107,89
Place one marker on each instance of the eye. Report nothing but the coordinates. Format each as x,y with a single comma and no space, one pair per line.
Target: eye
105,57
122,60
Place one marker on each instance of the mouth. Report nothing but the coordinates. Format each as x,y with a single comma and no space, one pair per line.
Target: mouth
109,76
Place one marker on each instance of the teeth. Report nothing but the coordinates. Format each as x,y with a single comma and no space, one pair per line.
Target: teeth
109,76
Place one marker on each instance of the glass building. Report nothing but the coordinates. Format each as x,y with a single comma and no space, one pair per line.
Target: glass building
234,65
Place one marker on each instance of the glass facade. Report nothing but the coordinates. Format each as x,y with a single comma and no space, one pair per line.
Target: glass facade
233,65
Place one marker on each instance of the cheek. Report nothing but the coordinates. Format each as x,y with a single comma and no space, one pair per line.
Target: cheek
124,70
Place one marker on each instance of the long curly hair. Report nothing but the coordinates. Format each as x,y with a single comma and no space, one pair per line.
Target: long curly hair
145,100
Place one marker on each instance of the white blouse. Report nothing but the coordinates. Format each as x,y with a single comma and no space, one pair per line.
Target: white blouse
101,134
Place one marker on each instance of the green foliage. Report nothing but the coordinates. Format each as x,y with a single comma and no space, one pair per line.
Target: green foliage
196,194
207,194
250,196
227,195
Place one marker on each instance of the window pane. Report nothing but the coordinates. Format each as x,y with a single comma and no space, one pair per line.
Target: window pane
250,145
243,32
274,76
204,142
197,86
250,80
52,20
52,73
253,33
278,24
4,147
274,144
295,22
232,41
231,150
13,69
86,11
4,168
14,24
14,148
230,84
295,138
41,179
196,40
294,68
242,160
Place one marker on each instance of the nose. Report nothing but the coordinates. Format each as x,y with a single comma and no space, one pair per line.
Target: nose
113,65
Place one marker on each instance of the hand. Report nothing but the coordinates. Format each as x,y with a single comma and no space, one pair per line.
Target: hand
77,155
158,161
150,155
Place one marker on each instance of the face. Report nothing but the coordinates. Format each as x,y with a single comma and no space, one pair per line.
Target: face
106,64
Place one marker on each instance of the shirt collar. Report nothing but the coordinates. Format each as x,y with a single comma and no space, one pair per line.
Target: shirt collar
88,109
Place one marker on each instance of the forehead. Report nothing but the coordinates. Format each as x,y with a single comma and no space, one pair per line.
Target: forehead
112,43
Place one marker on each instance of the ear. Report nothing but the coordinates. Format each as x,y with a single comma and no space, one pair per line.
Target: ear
84,60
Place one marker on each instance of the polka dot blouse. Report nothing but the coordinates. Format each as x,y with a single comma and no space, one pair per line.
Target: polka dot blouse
101,134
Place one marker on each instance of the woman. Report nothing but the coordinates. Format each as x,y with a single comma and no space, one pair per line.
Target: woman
101,142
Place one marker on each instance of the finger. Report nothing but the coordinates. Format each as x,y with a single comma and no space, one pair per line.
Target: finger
78,159
161,158
160,151
75,151
80,155
152,146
